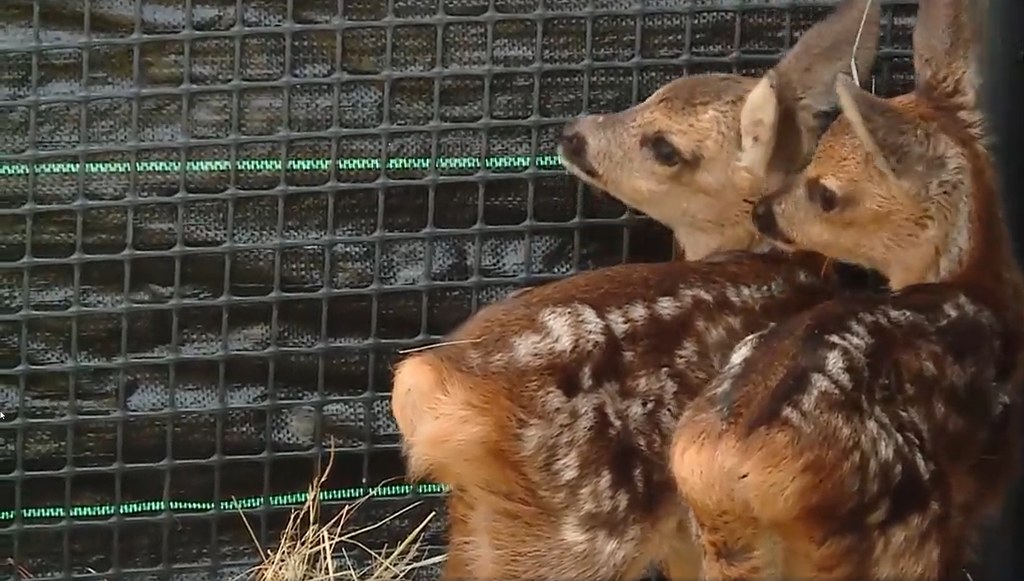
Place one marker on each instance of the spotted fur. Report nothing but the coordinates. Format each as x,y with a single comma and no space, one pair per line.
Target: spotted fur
869,434
550,414
870,437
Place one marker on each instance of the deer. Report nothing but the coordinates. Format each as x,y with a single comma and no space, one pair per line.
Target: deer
871,437
549,414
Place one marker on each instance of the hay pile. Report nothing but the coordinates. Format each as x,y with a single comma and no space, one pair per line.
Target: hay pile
311,551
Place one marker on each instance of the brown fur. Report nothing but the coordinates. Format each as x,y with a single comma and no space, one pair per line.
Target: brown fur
868,437
705,198
549,414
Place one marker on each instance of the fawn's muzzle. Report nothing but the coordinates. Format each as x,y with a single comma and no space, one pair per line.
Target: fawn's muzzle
764,219
572,147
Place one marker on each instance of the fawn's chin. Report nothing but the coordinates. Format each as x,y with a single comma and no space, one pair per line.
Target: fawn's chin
585,172
591,180
784,243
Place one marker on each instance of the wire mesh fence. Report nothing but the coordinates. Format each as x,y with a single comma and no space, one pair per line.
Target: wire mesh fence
220,221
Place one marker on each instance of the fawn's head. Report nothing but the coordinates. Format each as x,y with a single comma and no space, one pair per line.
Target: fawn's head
700,151
891,185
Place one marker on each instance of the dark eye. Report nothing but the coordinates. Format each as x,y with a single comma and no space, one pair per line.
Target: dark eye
664,152
824,118
822,195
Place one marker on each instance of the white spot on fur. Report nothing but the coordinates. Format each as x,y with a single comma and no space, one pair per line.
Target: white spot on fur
688,295
732,293
667,307
591,326
587,378
894,316
737,358
575,534
685,299
745,347
835,367
622,319
566,330
928,366
562,332
824,384
810,403
854,342
568,467
961,306
860,332
638,478
525,348
686,353
745,294
796,419
616,320
637,313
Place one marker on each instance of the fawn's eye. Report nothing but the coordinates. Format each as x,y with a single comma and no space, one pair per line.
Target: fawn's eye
662,149
824,118
822,195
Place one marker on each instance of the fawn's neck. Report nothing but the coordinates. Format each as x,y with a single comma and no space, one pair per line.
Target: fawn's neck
973,251
974,254
698,244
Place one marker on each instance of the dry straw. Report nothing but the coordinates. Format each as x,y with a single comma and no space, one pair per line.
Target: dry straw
311,551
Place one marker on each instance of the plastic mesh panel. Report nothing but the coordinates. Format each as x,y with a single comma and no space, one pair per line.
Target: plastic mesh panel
220,220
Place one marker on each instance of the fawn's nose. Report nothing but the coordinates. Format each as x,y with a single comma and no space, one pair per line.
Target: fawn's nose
572,147
574,144
765,221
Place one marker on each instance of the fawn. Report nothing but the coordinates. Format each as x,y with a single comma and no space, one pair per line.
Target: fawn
689,156
549,414
869,437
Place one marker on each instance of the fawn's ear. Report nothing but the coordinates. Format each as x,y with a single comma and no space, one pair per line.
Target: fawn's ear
794,102
759,120
948,45
899,145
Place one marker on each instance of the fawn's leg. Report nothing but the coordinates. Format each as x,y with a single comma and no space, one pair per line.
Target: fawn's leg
494,538
459,564
491,538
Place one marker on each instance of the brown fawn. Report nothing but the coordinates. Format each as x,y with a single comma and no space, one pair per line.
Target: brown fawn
869,437
549,414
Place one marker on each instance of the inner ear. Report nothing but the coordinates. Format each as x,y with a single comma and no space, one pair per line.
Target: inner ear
759,120
854,103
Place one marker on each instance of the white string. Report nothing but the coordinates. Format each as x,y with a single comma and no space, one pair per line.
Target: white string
856,43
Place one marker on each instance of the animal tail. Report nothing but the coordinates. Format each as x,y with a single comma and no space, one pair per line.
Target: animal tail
456,428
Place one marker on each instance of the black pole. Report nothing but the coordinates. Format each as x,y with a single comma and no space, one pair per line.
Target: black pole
1003,97
1001,553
